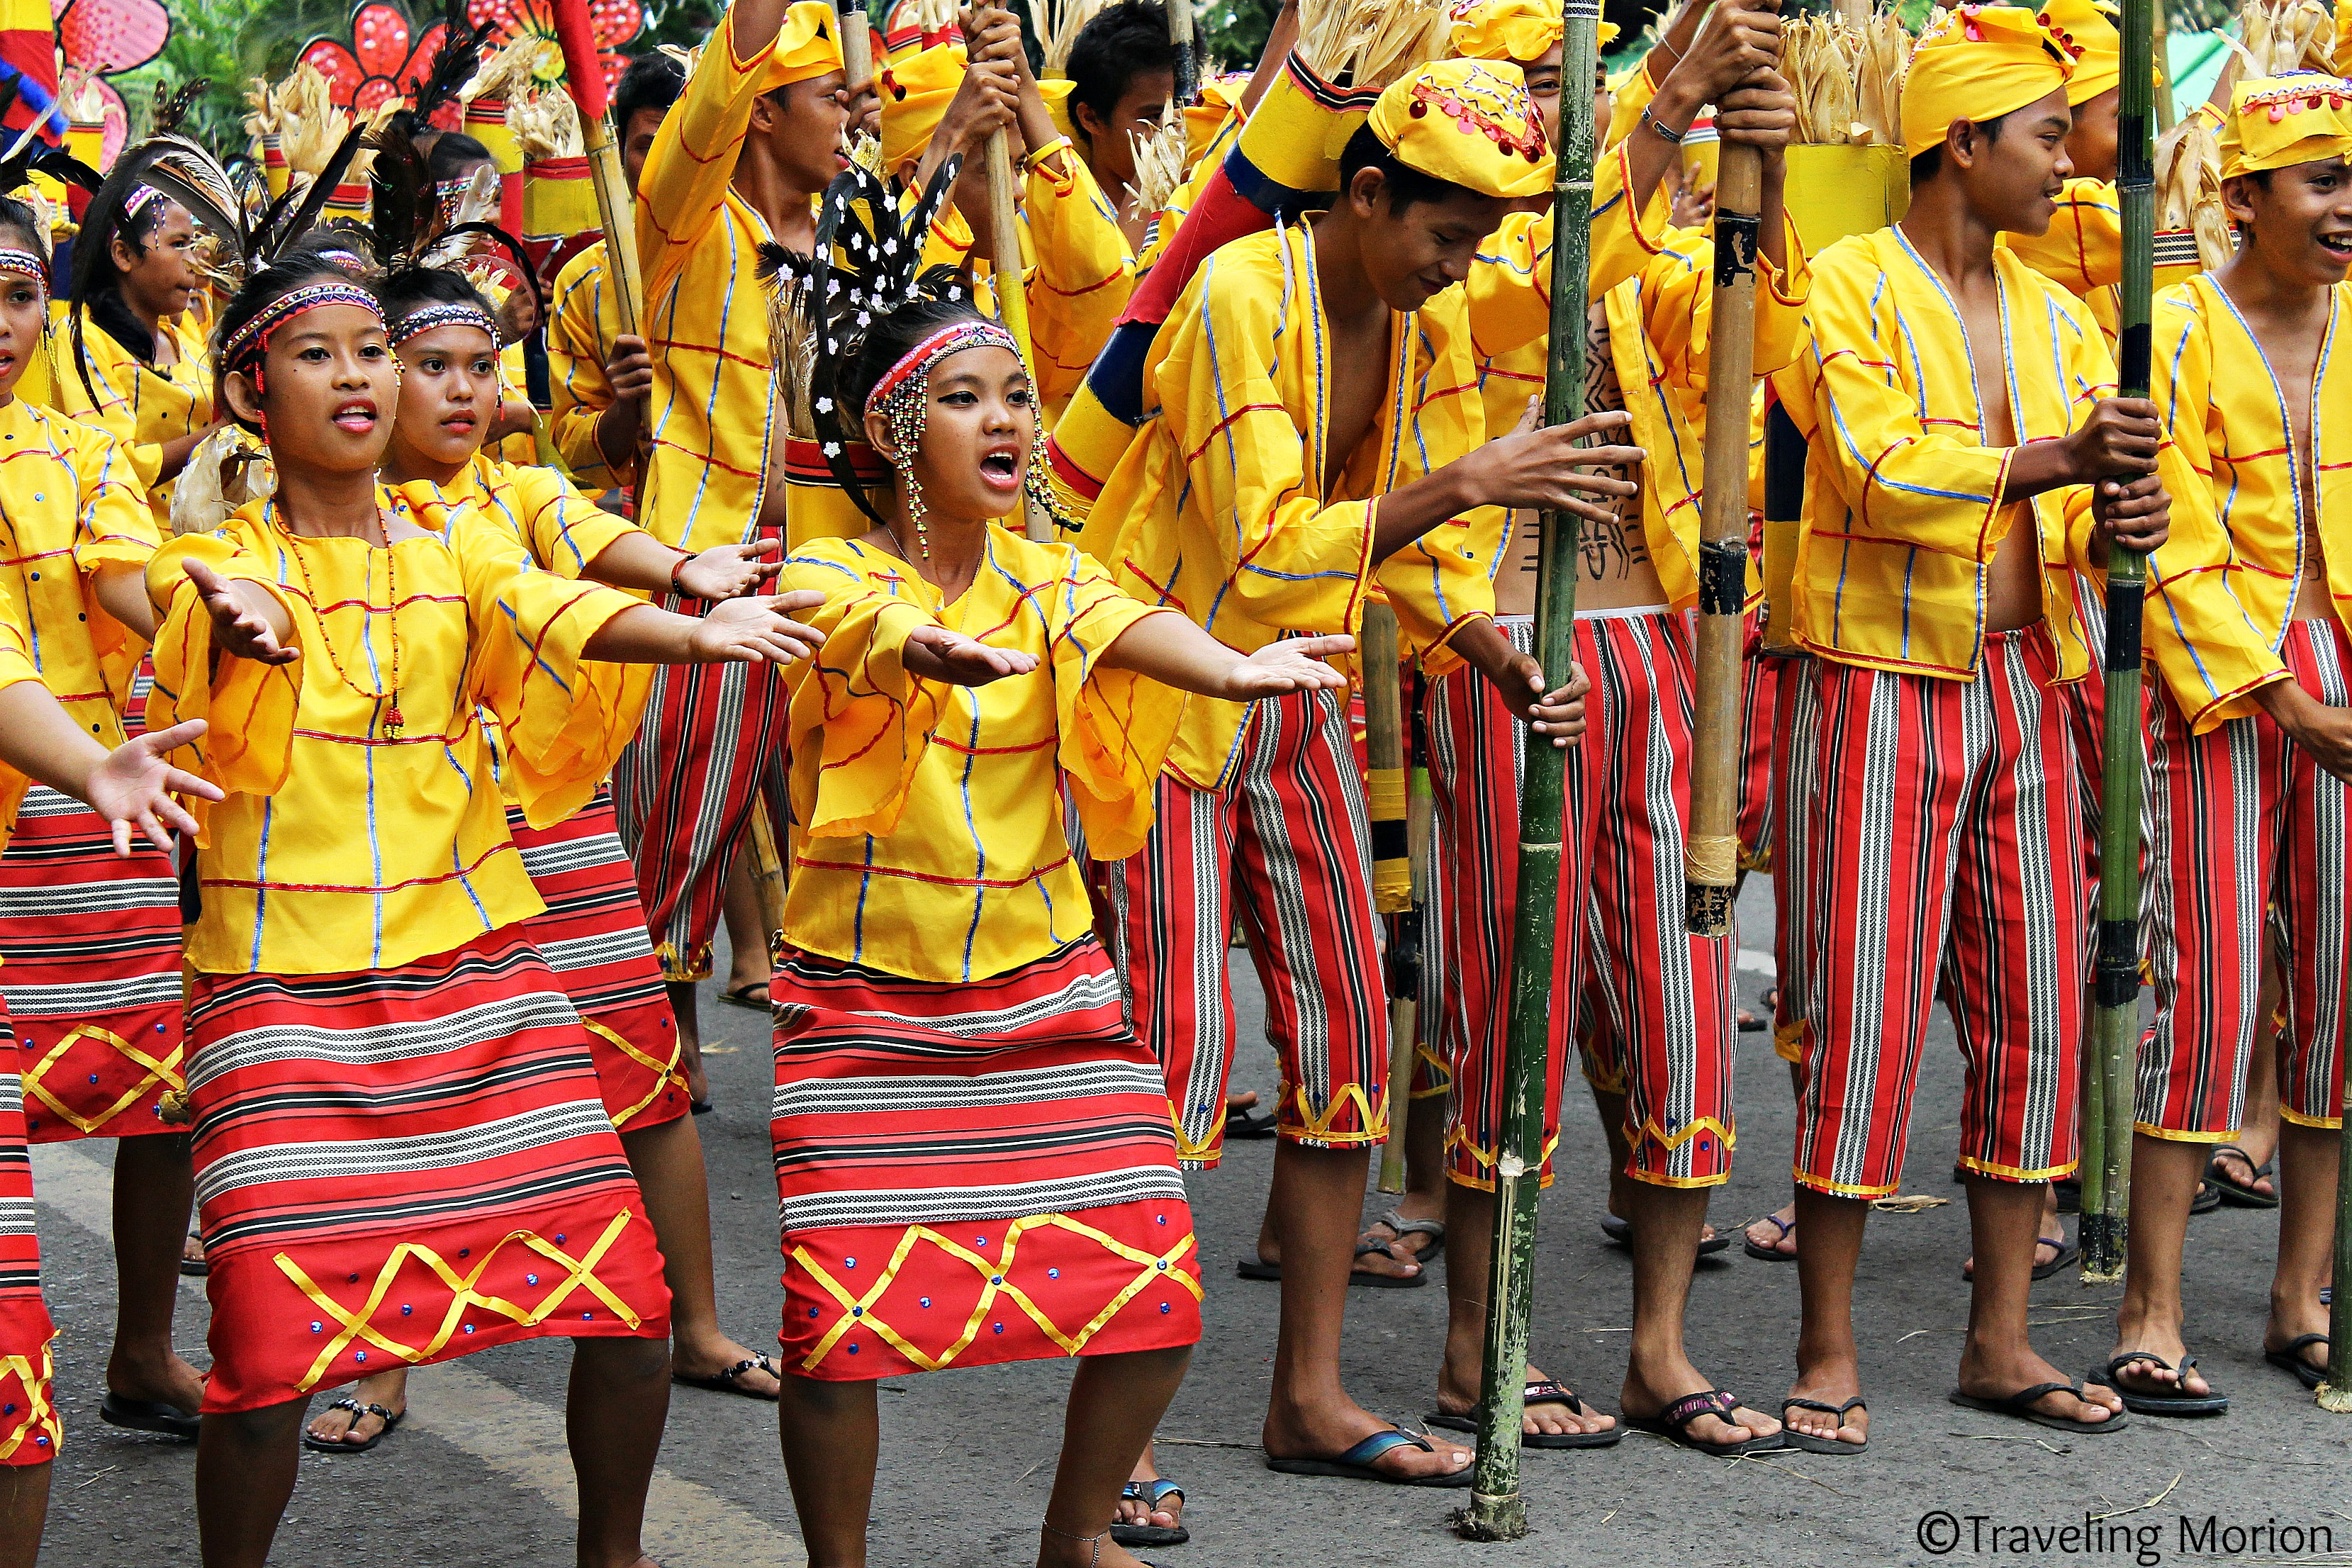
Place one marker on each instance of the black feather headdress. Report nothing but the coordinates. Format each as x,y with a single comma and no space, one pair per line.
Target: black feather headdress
454,63
407,210
866,262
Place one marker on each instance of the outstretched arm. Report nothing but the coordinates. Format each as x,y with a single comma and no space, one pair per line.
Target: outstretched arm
131,786
1171,650
740,631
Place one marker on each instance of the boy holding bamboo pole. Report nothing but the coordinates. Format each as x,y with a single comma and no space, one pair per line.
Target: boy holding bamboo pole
2249,740
1966,459
1657,1001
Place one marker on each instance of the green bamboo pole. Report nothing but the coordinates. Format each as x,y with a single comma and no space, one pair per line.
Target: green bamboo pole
2335,1389
1496,1511
2114,1034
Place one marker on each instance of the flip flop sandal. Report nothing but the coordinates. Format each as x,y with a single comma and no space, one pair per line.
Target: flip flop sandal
2067,1252
2291,1360
1757,1022
390,1424
2237,1193
740,996
1621,1232
1259,1268
1367,1280
1250,1121
1793,1439
1673,1424
2208,1199
2020,1406
1356,1463
2178,1403
699,1106
1772,1254
195,1267
729,1380
1149,1534
1540,1390
147,1415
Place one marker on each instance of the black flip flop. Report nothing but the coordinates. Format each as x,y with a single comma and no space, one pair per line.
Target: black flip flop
1772,1254
2240,1195
2208,1199
1757,1022
148,1415
195,1267
1793,1439
390,1424
2145,1403
1539,1391
1621,1232
1258,1268
740,996
2020,1406
729,1380
1673,1424
1148,1493
1356,1463
2291,1360
1402,1227
699,1106
2067,1253
1249,1122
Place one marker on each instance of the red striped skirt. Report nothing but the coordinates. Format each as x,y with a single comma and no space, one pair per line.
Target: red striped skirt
401,1166
593,936
29,1428
973,1173
90,963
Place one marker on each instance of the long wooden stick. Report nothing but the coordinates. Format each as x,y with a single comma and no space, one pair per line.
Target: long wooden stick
584,75
1004,269
856,40
1384,751
1408,952
2114,1034
1188,66
2335,1389
1711,845
1496,1511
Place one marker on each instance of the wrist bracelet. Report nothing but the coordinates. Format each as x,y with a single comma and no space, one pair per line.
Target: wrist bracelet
676,567
1672,138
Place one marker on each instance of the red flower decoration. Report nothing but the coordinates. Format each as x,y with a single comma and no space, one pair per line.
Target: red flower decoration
105,37
385,59
611,23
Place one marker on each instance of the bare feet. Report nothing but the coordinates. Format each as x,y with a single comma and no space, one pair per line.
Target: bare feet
1776,1232
1647,1393
1986,1374
1547,1417
340,1426
1327,1430
1396,1259
1832,1382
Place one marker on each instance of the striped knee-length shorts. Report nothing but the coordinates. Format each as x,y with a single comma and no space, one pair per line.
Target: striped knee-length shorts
1934,830
972,1174
592,935
1286,848
1654,1002
2248,840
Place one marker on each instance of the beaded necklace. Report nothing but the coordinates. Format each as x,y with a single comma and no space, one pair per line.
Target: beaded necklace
393,721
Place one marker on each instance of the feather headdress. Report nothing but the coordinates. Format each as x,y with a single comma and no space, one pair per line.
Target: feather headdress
407,208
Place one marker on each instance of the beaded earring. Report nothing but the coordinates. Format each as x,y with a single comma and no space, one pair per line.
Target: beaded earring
905,412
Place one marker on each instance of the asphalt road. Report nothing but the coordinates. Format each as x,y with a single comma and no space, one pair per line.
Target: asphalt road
478,1476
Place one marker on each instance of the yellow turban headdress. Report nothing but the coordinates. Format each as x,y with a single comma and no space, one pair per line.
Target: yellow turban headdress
2085,29
2278,122
809,47
915,92
1521,30
1468,122
1982,62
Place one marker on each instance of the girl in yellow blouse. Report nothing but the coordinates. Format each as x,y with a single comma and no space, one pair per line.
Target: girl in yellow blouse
974,1154
129,359
402,1154
592,934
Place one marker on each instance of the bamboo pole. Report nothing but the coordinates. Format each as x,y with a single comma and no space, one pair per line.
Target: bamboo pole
1711,846
856,42
1496,1511
1004,270
1408,952
1384,751
615,208
2114,1034
2335,1388
1188,66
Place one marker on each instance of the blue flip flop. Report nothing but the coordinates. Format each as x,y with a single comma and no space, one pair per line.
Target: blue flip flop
1356,1463
1149,1494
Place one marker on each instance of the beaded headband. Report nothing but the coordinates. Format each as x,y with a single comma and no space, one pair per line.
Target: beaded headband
24,264
427,318
138,201
251,341
953,338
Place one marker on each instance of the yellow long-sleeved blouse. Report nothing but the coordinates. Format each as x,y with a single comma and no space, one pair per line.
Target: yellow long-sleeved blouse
141,405
712,412
15,665
2223,585
928,837
1218,508
1902,507
70,505
583,322
350,839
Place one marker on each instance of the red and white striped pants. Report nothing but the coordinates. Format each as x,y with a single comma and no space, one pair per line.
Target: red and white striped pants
711,741
1287,848
1651,1003
1934,829
2246,833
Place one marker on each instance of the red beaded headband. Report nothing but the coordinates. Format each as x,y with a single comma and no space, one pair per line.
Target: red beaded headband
251,341
953,338
25,264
